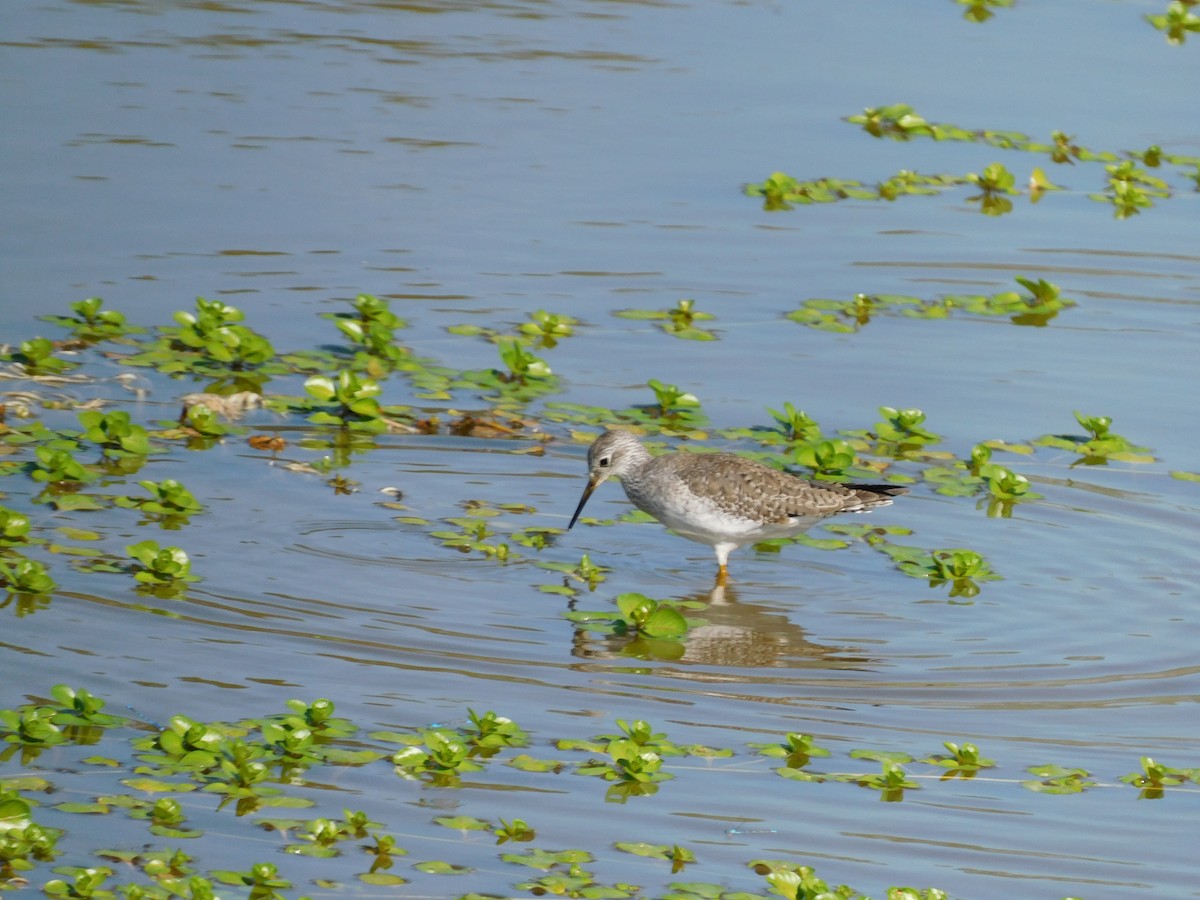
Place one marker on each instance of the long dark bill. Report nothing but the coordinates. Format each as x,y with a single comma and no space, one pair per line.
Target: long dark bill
587,492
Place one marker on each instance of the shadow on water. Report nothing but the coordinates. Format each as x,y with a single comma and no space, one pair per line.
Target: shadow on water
732,635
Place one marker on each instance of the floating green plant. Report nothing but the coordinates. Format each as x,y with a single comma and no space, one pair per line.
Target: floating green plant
23,842
31,726
635,770
798,882
474,535
891,782
211,342
1177,22
982,10
1155,778
262,879
1100,445
441,755
586,573
795,425
996,185
780,191
679,321
36,357
543,330
371,330
636,614
796,750
115,433
346,401
1037,308
92,322
546,329
491,732
58,468
677,856
831,459
674,407
160,566
1130,188
14,528
238,762
961,760
170,503
25,576
960,568
1056,779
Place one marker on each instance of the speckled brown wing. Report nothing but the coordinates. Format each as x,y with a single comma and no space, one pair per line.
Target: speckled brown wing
746,488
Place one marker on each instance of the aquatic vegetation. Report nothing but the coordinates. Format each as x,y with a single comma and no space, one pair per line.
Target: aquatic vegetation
654,625
994,183
674,407
235,762
25,576
93,323
962,760
115,433
211,342
59,469
441,754
1130,188
36,357
586,573
14,528
1100,445
517,830
1056,779
546,329
780,190
371,329
1037,308
543,330
1177,22
1155,777
273,763
795,425
491,732
170,503
160,566
960,568
522,364
831,459
891,782
474,535
679,321
346,401
982,10
796,751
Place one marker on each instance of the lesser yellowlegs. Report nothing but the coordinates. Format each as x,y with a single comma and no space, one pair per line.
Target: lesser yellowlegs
720,499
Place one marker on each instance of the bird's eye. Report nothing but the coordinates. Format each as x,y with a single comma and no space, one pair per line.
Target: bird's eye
604,462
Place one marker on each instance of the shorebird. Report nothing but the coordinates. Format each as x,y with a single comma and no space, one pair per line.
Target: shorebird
721,499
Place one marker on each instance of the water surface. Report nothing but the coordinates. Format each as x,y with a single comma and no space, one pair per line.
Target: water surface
477,162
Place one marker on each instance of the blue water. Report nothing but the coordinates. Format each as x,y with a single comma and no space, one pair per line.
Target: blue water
475,163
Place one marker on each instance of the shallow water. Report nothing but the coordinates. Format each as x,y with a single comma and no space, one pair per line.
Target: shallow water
474,163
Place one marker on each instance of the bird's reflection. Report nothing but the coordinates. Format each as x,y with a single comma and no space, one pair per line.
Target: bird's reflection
733,634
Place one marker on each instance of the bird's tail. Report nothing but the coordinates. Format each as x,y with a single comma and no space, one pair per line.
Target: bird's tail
872,495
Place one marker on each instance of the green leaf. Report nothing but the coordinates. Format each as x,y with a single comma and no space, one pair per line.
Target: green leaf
665,622
15,813
438,867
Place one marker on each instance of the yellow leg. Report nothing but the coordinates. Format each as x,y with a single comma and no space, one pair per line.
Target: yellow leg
722,575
